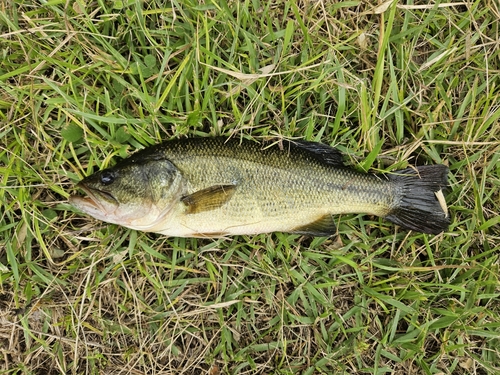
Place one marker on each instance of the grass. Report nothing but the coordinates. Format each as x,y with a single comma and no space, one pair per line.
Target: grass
392,85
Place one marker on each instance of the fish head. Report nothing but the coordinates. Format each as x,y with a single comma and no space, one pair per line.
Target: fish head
137,194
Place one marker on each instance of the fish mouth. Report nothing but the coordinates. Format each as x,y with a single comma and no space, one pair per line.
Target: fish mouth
94,199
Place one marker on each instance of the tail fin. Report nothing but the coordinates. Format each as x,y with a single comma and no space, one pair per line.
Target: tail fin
419,207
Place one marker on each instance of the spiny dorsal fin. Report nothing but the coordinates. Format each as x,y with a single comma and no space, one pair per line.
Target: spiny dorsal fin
323,227
325,153
208,199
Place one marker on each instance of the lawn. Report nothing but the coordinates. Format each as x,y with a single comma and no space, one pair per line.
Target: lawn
390,84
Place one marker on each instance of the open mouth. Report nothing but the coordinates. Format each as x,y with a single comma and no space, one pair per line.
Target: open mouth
94,199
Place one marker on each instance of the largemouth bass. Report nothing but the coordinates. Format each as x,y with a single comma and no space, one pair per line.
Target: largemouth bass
212,187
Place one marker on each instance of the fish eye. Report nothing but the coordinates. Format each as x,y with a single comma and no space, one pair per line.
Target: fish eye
107,177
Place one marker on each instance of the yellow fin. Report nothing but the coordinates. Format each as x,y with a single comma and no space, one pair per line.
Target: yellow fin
208,199
323,227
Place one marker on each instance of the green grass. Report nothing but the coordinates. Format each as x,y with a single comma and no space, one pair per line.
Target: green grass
83,83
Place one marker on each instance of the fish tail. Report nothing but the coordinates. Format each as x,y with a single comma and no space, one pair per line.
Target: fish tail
420,204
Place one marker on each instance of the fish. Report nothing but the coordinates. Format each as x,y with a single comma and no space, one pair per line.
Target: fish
217,187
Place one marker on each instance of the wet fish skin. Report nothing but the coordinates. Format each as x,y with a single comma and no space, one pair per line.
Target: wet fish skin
211,187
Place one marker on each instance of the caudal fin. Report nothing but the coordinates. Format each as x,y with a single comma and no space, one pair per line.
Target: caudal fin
421,205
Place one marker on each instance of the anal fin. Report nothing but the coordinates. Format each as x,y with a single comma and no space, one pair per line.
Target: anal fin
323,227
208,199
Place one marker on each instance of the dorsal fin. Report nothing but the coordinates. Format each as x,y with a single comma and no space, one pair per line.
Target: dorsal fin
324,153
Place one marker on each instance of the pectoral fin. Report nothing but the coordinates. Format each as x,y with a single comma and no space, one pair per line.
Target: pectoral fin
208,199
323,227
